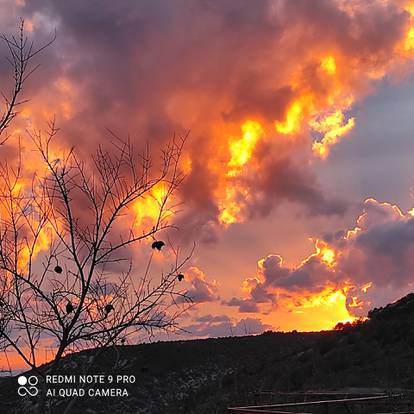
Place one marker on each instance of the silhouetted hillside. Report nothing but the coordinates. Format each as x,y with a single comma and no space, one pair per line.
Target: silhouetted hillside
206,376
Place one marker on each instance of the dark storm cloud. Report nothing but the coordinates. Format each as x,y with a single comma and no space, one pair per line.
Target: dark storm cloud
287,180
131,58
151,68
311,276
244,305
382,251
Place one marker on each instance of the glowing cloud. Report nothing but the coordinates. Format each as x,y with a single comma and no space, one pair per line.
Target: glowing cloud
351,274
333,126
296,75
241,149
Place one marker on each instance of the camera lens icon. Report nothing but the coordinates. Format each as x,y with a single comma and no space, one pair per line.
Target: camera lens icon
27,385
22,380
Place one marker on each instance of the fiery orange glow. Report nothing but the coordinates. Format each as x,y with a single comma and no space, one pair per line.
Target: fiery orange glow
325,116
326,305
327,254
232,194
332,297
326,308
296,112
187,165
352,233
324,84
241,149
366,286
231,206
333,126
147,208
31,250
355,302
328,64
408,44
295,102
329,297
39,234
341,289
409,40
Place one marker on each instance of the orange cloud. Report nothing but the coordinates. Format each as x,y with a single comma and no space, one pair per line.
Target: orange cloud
352,273
284,90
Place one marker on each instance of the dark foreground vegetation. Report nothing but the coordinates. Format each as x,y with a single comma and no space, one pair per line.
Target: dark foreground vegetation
206,376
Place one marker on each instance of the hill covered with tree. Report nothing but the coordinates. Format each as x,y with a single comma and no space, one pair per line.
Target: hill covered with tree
207,376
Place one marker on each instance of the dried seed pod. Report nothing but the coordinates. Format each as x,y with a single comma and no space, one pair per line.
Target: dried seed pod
158,245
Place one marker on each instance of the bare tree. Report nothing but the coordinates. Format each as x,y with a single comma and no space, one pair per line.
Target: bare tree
21,54
67,241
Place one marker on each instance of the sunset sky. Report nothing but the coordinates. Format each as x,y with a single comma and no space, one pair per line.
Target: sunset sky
300,157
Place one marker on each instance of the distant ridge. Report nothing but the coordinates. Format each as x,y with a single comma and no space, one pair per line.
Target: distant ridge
401,306
205,376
